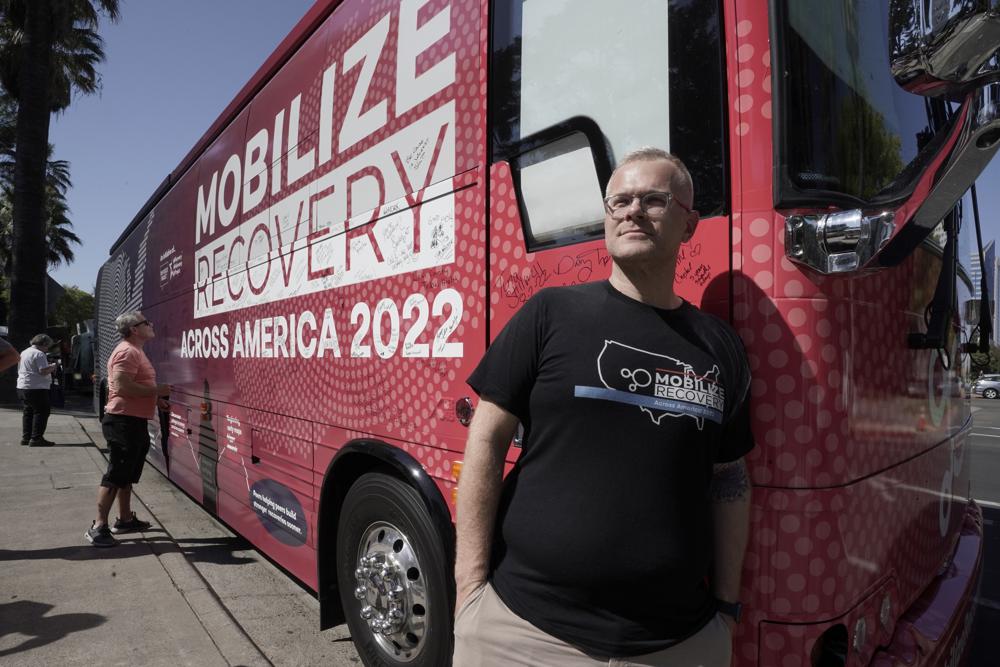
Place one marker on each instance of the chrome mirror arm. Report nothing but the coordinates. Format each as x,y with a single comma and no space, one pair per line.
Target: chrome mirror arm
976,146
942,47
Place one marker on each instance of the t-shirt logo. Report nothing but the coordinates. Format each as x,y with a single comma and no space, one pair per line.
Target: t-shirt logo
659,385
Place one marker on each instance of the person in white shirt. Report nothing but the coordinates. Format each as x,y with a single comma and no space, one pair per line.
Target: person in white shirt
34,378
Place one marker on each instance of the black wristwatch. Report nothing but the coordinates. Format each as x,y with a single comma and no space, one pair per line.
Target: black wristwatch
732,609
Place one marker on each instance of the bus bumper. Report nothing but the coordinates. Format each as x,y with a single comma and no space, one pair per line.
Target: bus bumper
936,629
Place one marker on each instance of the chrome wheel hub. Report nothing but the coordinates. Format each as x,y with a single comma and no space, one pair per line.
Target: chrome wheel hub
392,591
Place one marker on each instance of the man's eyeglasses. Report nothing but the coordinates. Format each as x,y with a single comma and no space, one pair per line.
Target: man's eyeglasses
653,204
146,322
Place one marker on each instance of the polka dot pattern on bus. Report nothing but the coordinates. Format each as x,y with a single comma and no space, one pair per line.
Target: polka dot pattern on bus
836,400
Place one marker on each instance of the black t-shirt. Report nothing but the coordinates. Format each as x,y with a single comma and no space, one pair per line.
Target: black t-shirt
604,531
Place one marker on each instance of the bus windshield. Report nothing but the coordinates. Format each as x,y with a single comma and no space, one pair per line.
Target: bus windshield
847,128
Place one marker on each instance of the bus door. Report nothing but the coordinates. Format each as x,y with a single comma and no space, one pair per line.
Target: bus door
574,89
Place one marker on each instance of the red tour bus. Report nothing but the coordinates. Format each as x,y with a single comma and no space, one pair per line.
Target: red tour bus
329,262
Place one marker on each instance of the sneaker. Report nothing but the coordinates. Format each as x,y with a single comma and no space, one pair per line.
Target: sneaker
40,442
25,441
133,525
100,536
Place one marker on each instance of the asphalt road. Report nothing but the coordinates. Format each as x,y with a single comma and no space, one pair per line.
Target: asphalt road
985,458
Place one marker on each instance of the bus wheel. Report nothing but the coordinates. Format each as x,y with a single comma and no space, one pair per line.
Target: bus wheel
391,574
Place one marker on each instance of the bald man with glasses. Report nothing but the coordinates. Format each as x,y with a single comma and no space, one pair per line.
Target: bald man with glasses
618,537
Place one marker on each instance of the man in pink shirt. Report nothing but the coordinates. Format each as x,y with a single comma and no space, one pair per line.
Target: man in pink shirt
133,396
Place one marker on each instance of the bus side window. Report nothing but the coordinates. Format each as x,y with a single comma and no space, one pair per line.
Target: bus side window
559,192
577,85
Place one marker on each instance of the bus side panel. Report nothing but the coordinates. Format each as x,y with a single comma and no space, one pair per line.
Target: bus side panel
300,561
171,270
858,470
102,324
121,289
182,446
306,284
157,456
516,275
814,553
437,463
235,454
334,235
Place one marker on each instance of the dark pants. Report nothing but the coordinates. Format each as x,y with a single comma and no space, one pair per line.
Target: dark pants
36,413
128,444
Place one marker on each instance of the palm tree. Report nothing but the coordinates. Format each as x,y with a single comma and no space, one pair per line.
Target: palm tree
48,50
59,237
56,171
8,118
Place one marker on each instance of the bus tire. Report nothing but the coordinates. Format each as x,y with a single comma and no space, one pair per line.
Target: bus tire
391,572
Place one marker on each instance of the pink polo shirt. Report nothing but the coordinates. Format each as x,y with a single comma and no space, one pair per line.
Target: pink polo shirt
132,361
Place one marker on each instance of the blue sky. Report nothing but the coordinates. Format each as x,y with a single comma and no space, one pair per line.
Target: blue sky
171,68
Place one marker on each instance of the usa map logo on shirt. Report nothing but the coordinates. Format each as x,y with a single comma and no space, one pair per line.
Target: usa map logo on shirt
657,384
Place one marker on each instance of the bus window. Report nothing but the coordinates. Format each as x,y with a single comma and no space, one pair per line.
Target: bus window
561,191
848,130
562,63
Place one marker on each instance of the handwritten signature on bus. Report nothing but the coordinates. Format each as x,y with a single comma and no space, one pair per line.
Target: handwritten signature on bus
516,286
519,285
689,270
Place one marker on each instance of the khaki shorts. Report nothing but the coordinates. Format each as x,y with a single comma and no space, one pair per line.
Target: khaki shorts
488,634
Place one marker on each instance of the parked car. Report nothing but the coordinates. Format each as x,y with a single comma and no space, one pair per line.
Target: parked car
987,386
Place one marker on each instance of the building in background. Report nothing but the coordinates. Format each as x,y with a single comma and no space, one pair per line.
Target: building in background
992,280
993,262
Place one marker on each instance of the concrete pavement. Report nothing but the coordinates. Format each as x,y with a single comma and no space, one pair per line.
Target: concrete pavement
187,592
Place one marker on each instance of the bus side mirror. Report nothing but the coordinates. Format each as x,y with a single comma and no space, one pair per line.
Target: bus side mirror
973,151
845,241
942,47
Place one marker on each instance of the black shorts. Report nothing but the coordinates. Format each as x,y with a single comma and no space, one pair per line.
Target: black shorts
128,443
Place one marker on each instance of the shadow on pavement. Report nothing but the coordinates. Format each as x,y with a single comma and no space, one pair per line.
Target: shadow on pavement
215,550
29,618
59,444
74,444
218,551
78,552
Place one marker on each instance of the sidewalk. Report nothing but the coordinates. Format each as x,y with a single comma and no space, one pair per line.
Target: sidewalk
65,602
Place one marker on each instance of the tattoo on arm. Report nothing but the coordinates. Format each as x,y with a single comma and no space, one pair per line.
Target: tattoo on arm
730,482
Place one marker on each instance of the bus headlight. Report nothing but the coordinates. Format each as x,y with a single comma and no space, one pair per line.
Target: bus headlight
836,242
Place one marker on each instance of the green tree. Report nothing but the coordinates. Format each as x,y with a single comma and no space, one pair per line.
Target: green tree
983,363
866,154
73,307
59,237
49,49
58,229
